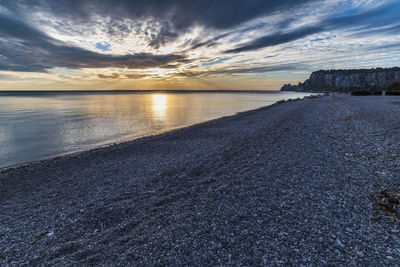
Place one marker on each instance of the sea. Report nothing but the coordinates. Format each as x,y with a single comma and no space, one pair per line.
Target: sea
41,125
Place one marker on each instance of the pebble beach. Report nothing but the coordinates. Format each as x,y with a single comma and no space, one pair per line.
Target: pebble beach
295,183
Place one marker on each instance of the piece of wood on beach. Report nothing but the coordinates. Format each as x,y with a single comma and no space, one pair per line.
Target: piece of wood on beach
40,236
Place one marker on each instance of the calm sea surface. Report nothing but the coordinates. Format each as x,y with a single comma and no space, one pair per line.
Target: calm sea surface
35,126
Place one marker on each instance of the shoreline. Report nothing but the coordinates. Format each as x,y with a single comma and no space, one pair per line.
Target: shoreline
162,132
282,184
76,153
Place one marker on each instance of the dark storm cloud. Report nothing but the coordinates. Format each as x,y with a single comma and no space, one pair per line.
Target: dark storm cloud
23,48
160,38
111,76
382,20
181,13
136,75
114,76
276,39
283,67
208,43
386,16
175,15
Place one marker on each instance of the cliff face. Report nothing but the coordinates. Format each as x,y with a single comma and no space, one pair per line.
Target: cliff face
349,80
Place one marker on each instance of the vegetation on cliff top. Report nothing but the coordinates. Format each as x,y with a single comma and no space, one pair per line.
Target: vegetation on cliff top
393,88
366,92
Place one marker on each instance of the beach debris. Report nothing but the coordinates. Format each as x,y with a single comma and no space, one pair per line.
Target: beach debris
377,216
40,236
388,203
370,224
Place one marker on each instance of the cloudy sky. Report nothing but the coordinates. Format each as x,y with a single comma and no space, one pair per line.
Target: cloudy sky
196,44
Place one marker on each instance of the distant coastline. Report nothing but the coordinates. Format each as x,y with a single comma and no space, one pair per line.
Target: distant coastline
342,80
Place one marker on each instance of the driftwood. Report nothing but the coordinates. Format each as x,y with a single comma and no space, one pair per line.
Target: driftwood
388,203
40,236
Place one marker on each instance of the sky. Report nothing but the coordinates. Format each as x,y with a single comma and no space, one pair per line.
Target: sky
196,44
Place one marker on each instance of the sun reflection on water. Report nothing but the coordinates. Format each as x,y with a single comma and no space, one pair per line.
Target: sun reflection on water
159,106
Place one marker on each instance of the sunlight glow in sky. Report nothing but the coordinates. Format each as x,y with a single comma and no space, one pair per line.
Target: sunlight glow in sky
177,44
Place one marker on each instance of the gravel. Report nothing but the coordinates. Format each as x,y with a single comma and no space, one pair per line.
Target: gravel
286,184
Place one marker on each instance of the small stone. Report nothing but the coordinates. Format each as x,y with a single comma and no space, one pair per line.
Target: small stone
360,253
339,243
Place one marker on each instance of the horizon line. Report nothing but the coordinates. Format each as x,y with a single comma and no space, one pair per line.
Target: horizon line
143,91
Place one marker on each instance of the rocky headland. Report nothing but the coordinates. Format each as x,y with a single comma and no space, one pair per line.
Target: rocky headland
347,80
